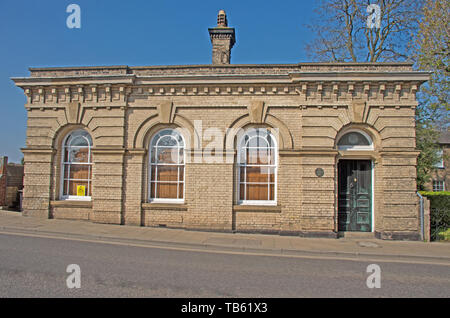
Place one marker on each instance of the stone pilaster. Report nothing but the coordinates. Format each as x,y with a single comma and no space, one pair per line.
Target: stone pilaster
107,192
134,164
37,181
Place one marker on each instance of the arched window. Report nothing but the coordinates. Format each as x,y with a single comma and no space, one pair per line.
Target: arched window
76,170
257,164
167,166
355,140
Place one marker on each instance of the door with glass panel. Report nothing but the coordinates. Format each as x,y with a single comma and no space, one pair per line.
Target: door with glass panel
355,195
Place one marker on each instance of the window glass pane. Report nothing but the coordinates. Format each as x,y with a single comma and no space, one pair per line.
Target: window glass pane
353,139
257,192
271,174
260,156
256,174
166,190
167,141
180,190
79,142
259,174
167,173
78,188
79,138
272,191
257,142
180,173
181,156
79,155
77,172
177,137
242,155
440,155
167,155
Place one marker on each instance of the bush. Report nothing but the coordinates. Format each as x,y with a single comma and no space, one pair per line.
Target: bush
444,236
439,214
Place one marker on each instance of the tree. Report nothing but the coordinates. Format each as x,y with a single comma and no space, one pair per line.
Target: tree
432,115
343,34
432,47
426,143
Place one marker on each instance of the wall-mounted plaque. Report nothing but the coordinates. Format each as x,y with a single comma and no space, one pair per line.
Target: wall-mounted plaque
319,172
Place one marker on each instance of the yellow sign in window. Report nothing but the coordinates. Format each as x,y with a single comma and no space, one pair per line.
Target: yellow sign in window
81,191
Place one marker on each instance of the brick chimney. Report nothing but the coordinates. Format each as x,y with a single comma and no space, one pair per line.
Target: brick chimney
222,39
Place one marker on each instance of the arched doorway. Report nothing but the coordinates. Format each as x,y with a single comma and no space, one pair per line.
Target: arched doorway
355,190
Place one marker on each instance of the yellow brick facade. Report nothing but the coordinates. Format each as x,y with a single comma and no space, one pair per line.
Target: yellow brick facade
309,106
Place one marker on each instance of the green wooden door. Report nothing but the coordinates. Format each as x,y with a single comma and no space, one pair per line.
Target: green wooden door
355,195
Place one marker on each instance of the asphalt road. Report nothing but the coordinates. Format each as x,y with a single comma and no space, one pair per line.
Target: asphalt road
36,267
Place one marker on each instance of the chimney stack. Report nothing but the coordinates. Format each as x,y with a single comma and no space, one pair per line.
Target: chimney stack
222,38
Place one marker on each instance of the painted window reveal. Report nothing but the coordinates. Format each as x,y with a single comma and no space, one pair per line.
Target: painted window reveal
167,164
257,164
355,140
77,166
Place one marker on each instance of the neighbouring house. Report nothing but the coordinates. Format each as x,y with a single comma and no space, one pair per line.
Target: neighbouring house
11,182
440,176
309,149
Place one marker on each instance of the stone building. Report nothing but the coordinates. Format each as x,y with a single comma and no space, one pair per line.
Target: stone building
11,182
298,149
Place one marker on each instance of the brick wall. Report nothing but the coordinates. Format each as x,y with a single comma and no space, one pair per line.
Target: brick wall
309,117
3,180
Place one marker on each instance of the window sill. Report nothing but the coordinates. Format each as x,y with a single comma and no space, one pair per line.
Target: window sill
71,204
165,206
257,208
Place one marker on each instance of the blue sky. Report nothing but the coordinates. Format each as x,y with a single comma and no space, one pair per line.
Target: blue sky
135,32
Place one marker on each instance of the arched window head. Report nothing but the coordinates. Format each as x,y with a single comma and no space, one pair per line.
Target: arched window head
355,140
166,168
257,164
76,172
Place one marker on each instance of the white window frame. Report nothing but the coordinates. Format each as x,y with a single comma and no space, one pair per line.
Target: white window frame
440,187
440,164
244,165
63,167
370,147
150,164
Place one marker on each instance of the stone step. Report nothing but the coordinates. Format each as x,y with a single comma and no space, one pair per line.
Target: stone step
356,235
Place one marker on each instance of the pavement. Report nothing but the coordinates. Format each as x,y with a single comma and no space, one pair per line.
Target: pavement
352,246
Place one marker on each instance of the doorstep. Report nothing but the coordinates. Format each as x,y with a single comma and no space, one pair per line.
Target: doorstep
357,235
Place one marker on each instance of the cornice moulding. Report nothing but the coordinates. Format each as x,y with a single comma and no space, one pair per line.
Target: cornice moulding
74,80
351,76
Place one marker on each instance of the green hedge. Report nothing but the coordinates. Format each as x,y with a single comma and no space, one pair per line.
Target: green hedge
439,214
